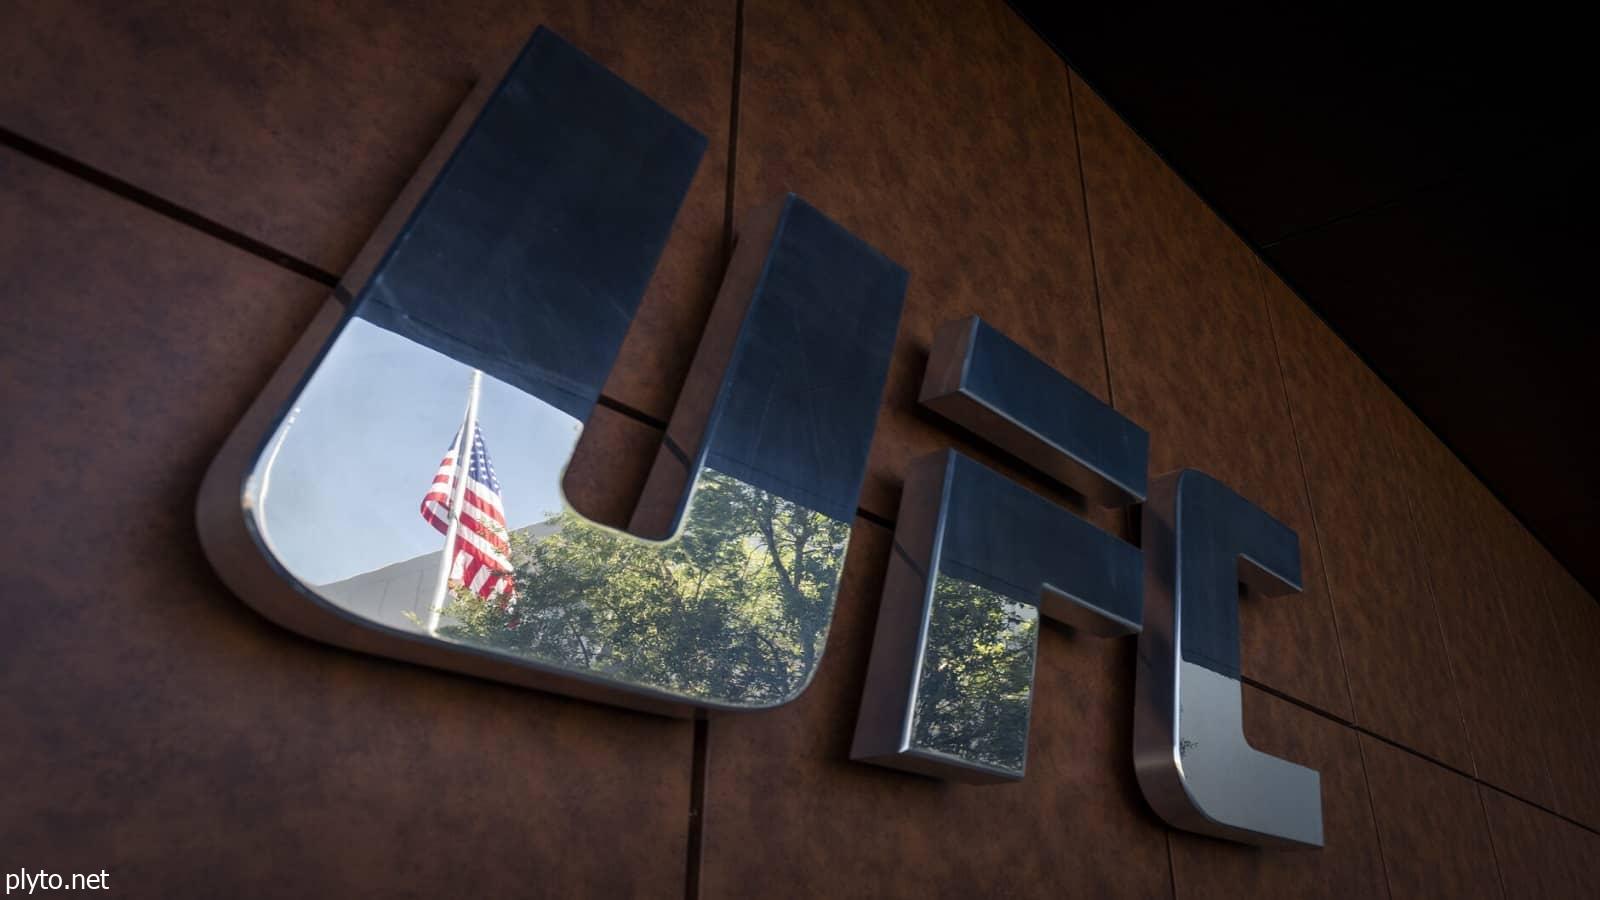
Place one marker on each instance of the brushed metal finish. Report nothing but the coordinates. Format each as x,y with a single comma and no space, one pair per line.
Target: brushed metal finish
525,258
1195,767
977,560
990,385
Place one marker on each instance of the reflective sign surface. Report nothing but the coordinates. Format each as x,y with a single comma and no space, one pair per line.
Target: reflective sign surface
979,559
1201,541
409,485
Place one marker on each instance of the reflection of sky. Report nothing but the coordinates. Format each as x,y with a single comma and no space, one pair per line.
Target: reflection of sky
373,423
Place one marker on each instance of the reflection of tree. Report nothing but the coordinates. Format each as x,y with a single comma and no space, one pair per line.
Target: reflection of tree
734,610
972,702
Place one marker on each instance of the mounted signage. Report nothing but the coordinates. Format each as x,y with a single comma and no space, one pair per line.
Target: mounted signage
507,291
978,559
489,308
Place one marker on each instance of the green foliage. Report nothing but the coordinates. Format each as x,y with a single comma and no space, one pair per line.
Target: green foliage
735,610
973,700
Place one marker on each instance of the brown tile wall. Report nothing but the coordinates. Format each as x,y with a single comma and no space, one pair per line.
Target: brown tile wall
175,182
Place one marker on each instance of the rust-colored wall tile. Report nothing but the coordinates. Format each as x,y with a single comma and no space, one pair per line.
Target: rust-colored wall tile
1348,865
1191,359
1576,618
1565,648
1431,827
156,727
298,123
943,137
788,813
1534,666
1539,854
1394,653
1494,656
610,466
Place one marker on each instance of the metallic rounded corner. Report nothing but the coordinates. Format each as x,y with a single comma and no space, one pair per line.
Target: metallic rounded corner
796,276
1193,763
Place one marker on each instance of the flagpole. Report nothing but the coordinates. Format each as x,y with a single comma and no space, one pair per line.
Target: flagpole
458,489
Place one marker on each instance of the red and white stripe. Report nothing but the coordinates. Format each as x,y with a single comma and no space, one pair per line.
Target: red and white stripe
483,546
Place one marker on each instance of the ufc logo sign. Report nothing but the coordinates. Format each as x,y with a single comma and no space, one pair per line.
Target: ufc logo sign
978,560
488,311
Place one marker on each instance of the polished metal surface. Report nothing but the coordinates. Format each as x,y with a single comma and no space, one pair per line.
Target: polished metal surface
977,559
520,268
1201,541
987,383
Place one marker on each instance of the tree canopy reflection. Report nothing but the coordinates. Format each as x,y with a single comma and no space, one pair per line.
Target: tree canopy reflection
735,610
972,701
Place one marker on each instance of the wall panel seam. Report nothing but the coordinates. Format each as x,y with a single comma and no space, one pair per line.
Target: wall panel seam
163,207
1494,852
1259,251
1372,808
1359,729
1438,621
1305,485
700,760
1088,230
1127,518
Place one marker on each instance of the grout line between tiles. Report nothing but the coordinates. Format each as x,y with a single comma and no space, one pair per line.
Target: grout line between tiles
1372,807
700,765
1494,852
163,207
1347,723
1305,484
1340,720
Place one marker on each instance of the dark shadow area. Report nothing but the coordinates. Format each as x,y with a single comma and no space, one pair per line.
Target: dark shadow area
1426,185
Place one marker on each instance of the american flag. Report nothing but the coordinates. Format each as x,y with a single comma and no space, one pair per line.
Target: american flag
482,545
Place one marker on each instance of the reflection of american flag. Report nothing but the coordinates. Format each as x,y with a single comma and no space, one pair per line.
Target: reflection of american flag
482,545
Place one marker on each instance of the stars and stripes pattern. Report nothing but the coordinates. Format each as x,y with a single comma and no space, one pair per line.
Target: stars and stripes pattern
481,560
